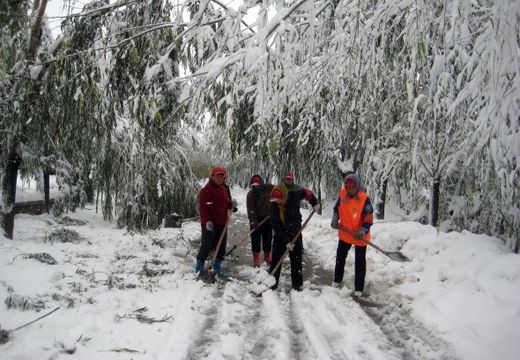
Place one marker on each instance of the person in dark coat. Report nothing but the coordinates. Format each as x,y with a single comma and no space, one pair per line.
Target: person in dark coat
257,202
286,220
214,204
353,217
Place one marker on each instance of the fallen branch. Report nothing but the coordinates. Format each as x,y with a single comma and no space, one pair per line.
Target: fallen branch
140,316
4,334
32,322
41,257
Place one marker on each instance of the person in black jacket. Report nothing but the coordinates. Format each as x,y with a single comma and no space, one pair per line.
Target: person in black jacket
286,221
257,202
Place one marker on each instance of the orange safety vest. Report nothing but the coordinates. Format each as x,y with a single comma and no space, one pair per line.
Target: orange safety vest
350,216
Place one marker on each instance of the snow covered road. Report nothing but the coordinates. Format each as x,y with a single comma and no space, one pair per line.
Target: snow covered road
128,295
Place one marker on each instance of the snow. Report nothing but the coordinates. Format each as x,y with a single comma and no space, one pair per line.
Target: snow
26,190
456,299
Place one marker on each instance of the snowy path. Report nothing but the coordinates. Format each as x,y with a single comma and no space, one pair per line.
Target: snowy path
318,323
103,281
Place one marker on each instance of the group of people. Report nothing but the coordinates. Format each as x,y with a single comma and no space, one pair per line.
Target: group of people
275,222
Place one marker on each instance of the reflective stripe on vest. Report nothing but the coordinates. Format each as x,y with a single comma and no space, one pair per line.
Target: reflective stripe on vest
350,216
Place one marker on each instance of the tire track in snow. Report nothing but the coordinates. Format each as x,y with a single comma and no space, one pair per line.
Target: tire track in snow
235,326
413,339
410,338
199,348
336,328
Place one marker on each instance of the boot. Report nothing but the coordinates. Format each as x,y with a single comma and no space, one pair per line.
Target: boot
256,259
217,266
267,257
199,265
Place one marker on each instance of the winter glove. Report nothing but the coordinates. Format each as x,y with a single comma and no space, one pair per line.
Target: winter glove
334,221
290,246
209,226
316,208
253,225
360,234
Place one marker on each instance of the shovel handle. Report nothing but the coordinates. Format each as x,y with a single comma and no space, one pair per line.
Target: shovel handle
222,234
373,245
361,239
387,253
247,236
292,243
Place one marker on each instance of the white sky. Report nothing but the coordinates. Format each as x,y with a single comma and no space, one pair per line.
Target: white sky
457,298
55,10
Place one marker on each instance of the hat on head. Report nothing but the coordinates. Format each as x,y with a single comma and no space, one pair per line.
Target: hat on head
350,183
353,180
256,180
276,195
289,175
218,170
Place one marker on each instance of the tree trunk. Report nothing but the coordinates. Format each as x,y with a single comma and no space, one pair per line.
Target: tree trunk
382,200
318,187
36,29
46,186
89,185
11,170
434,202
9,187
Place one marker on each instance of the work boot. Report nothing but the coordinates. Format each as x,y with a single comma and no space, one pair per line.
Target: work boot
199,265
256,259
267,257
357,293
217,266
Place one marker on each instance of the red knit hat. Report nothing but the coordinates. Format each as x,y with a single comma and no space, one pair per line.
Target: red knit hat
276,195
218,170
256,180
289,175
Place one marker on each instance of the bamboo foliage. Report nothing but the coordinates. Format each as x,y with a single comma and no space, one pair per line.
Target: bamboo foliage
420,97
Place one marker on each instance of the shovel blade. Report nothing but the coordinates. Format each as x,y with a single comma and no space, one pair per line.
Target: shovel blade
397,256
263,281
207,275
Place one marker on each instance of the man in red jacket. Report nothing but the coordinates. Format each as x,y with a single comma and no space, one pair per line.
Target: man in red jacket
214,203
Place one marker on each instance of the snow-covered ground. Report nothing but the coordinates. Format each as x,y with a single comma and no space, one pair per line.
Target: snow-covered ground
123,295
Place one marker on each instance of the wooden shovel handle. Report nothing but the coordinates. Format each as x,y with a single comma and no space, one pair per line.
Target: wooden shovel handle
248,235
387,253
292,242
222,234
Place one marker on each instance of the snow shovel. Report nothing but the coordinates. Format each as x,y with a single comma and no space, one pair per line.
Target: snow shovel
247,236
394,255
208,274
265,284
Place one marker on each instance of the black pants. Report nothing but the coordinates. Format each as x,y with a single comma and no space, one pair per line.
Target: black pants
279,247
360,266
209,242
262,237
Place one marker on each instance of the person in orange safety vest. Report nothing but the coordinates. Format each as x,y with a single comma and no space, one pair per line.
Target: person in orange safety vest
353,217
